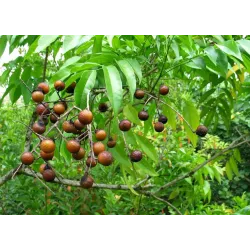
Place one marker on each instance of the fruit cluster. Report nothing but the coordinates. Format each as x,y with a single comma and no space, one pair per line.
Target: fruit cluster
80,127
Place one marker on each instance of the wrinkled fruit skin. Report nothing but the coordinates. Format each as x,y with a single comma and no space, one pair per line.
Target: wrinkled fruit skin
53,118
163,119
42,108
85,117
201,131
164,90
78,125
79,155
90,162
39,127
103,107
86,182
139,94
46,156
98,147
136,156
44,87
105,158
73,146
100,135
59,108
48,175
59,85
37,96
125,125
111,143
47,146
27,158
143,115
159,126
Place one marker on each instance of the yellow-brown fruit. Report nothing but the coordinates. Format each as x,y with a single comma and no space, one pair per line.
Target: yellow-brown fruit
59,85
39,127
100,135
125,125
47,146
111,143
91,162
27,158
78,125
48,175
85,117
53,118
136,156
59,108
44,87
164,90
139,94
201,131
159,126
37,96
98,147
42,168
68,127
105,158
46,156
79,155
42,108
73,146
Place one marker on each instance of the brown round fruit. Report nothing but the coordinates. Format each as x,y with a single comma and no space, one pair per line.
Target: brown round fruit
111,143
44,87
143,115
39,127
103,107
79,155
42,108
78,125
159,126
100,135
125,125
53,118
37,96
164,90
163,119
70,89
27,158
48,175
86,181
68,127
46,156
98,147
85,117
73,146
139,94
59,108
59,85
47,146
42,168
201,131
91,162
105,158
136,156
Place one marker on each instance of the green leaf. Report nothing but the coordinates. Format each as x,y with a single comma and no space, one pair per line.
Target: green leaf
71,41
128,71
219,61
245,44
191,114
217,173
15,93
26,94
114,87
170,114
84,66
236,153
147,147
229,171
3,42
131,114
61,74
10,87
230,48
126,180
197,63
233,165
83,87
174,194
32,49
137,68
206,187
206,95
140,38
97,44
45,41
145,167
209,117
71,61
